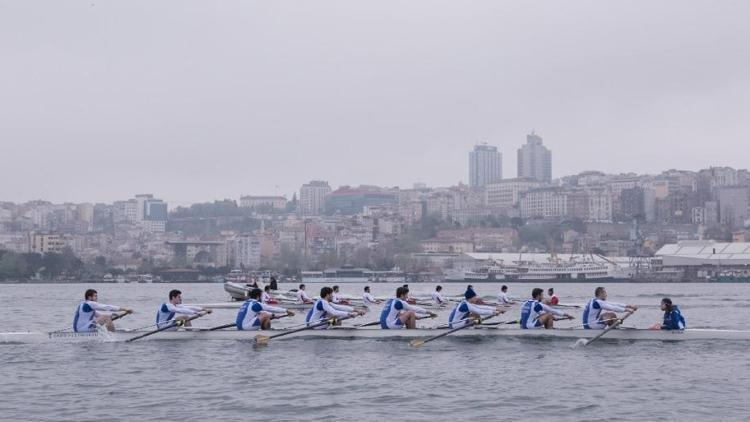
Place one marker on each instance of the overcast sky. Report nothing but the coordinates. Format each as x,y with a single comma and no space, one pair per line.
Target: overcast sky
196,101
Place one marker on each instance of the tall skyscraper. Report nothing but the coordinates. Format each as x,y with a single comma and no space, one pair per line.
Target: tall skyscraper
485,165
312,197
535,160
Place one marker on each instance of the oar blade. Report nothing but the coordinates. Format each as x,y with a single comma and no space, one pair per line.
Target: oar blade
416,343
261,340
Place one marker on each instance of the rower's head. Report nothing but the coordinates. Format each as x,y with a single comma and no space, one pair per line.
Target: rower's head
91,294
255,293
504,289
402,292
666,304
175,297
267,289
326,293
302,287
550,291
471,296
335,289
600,293
367,289
537,293
438,288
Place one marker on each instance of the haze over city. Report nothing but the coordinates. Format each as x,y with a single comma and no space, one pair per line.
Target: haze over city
199,101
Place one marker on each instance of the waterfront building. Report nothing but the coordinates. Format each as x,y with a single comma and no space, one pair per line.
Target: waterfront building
275,202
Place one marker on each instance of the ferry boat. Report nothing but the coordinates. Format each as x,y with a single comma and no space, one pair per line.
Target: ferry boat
352,275
554,270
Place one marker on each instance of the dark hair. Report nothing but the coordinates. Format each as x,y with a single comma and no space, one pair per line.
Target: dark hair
401,291
367,288
267,288
174,293
550,290
325,291
255,293
301,286
598,291
89,293
438,288
335,288
667,301
536,292
504,288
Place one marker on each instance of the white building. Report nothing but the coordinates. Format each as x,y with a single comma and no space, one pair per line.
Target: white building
276,202
599,205
246,250
485,165
312,197
545,202
535,160
506,193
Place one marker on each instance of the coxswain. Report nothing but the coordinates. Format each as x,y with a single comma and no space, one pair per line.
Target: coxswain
91,313
535,314
593,315
470,309
673,319
302,296
174,310
437,297
273,284
502,297
397,313
255,315
553,299
369,299
323,309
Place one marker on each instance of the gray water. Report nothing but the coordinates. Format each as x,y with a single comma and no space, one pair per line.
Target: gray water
318,379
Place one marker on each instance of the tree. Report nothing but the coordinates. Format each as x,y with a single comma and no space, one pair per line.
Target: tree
12,266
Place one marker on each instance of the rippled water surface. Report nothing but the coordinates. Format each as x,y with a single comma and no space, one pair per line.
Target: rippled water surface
318,379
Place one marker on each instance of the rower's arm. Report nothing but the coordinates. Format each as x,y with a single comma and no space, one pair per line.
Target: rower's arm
103,307
273,309
181,309
417,309
480,310
553,311
612,306
340,307
336,310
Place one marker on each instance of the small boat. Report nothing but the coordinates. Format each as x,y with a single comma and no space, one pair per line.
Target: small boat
693,334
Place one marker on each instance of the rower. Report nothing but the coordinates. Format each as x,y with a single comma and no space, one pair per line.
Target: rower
535,314
91,313
323,309
502,297
265,297
673,319
478,300
553,299
594,318
336,298
174,310
397,313
302,296
437,297
255,315
470,308
369,299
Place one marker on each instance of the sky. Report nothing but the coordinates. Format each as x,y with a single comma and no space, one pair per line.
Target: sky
196,100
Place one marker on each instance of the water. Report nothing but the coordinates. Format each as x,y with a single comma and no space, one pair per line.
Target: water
317,379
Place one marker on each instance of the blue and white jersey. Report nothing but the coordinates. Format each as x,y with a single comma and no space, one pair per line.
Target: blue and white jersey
391,311
593,310
460,313
531,310
247,317
673,320
167,311
84,319
322,310
438,298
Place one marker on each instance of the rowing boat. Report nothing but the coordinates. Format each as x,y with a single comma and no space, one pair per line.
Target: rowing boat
376,333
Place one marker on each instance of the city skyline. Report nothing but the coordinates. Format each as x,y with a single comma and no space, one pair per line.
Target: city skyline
92,110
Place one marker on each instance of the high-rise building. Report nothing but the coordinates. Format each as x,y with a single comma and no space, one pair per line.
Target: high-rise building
312,197
485,165
535,160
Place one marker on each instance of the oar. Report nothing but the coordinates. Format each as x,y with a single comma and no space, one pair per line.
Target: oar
234,324
175,323
261,339
370,324
606,330
418,342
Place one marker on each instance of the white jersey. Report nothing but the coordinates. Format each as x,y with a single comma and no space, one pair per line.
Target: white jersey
593,310
460,312
265,297
247,317
86,313
302,297
167,311
391,311
369,299
531,310
323,310
335,298
503,299
438,298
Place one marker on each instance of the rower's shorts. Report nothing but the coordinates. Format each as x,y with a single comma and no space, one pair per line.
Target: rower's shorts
392,325
252,325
